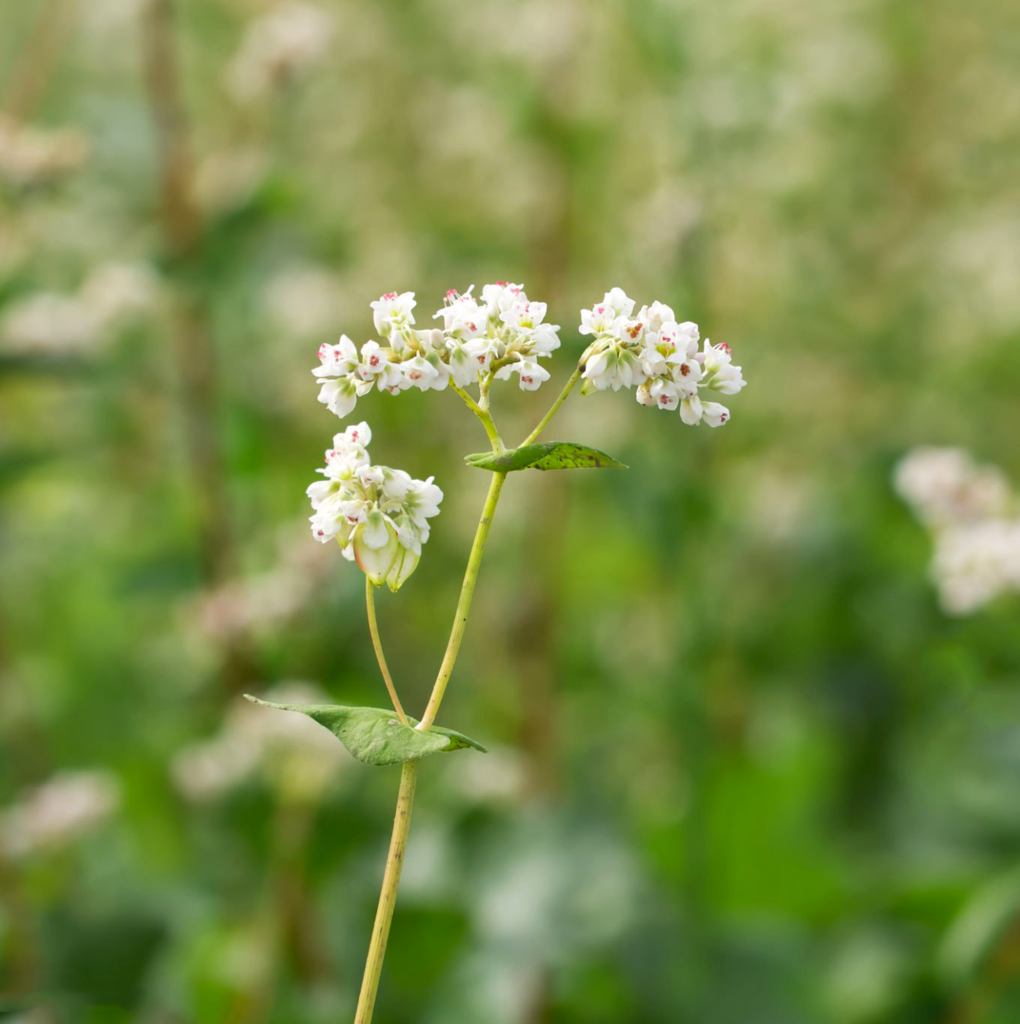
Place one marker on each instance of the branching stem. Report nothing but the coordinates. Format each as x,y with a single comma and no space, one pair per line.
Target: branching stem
408,778
560,399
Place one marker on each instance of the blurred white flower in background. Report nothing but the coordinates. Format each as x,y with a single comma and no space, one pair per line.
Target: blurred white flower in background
969,510
262,600
945,486
277,46
57,812
113,295
30,155
976,563
299,753
48,322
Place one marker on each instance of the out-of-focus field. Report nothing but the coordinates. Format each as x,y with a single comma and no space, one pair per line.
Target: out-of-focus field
744,768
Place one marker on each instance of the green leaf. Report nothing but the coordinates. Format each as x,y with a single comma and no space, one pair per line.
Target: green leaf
547,455
377,736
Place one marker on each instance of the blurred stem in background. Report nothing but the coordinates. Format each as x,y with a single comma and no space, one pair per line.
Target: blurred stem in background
32,72
183,239
183,235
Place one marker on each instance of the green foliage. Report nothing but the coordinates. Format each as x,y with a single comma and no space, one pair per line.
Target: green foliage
545,455
743,768
376,736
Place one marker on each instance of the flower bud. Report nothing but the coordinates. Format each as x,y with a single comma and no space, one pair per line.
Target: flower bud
375,547
403,565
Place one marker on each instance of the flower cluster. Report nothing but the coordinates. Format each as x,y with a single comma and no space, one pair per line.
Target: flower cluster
500,333
971,513
650,351
378,515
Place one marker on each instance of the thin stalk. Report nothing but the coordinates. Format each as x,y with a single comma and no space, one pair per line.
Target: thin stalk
388,897
482,412
467,591
373,628
560,399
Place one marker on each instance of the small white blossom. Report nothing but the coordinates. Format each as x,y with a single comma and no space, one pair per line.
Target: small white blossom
392,311
277,46
657,355
30,155
58,812
976,563
378,515
945,486
971,514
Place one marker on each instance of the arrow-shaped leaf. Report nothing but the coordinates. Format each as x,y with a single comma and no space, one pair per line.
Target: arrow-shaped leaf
377,736
547,455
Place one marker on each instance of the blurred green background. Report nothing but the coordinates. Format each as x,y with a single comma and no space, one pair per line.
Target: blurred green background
743,768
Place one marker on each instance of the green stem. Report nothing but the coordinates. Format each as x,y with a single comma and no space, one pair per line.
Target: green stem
467,591
409,773
560,399
388,897
482,412
373,628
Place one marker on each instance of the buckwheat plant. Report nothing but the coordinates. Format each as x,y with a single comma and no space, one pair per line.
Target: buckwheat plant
380,516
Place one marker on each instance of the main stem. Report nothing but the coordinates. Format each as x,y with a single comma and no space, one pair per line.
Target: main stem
388,897
467,591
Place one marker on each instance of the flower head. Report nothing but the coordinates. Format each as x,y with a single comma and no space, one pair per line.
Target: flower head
378,515
652,352
501,333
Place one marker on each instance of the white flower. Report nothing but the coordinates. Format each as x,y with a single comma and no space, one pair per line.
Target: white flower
720,373
691,411
715,415
524,315
481,351
378,515
337,360
664,394
532,374
462,315
614,367
499,297
392,311
600,319
373,359
655,315
618,300
420,372
463,367
340,396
